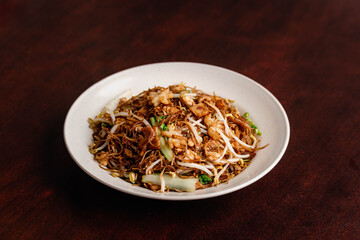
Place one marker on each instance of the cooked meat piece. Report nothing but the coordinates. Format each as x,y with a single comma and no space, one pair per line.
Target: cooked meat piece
199,110
187,100
164,98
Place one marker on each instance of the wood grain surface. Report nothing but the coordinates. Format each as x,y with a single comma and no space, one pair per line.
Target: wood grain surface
307,53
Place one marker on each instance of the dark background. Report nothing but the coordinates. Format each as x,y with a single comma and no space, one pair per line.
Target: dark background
307,53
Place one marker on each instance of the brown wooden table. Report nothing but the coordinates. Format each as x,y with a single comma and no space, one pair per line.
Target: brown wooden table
307,53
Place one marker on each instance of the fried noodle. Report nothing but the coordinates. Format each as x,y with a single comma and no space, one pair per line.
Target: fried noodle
176,133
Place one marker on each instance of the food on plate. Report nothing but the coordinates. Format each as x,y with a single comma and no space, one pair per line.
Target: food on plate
174,138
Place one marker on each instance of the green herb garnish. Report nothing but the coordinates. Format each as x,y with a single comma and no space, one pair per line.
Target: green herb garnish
163,127
204,179
257,131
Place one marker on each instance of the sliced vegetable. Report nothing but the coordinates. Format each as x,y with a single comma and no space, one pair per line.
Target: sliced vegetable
153,121
204,179
165,149
175,183
162,181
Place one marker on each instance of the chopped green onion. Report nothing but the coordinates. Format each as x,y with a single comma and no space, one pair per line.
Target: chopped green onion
257,131
153,121
164,127
204,179
161,118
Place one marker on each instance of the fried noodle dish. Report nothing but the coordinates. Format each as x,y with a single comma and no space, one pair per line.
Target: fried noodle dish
173,139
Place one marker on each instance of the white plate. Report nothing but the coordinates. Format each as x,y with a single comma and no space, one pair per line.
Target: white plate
263,107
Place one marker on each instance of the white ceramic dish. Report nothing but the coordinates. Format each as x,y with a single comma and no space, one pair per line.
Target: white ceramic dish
249,96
